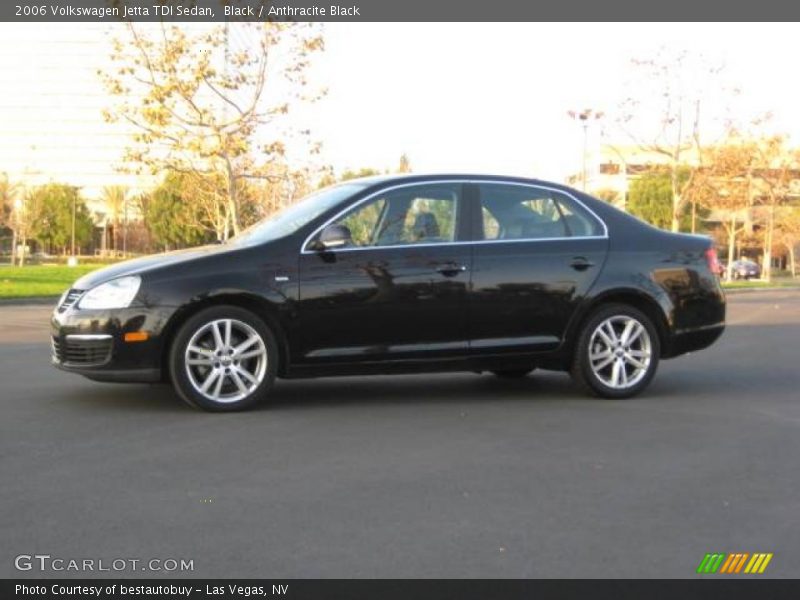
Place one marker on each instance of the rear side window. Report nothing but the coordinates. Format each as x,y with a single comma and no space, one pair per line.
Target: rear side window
578,220
514,212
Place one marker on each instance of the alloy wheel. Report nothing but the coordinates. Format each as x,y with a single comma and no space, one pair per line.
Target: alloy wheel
620,352
225,360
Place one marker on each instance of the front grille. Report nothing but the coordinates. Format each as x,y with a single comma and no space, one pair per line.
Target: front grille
82,350
70,298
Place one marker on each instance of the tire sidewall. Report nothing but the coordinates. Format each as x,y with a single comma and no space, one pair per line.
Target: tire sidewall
584,363
180,379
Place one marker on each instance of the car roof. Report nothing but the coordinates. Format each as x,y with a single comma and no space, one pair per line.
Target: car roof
610,216
400,178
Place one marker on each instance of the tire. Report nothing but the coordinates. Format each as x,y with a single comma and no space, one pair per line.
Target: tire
631,367
513,373
240,379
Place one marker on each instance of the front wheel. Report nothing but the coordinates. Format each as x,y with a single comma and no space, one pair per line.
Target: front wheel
617,352
223,358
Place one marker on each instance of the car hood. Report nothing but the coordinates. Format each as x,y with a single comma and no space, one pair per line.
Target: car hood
148,263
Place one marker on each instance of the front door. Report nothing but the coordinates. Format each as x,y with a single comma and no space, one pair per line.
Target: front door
397,290
537,255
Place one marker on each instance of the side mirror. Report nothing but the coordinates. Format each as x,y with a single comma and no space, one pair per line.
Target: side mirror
334,236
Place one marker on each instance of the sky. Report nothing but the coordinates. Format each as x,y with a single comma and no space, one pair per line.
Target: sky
486,98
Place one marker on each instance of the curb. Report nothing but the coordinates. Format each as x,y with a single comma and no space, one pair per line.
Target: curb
31,301
745,290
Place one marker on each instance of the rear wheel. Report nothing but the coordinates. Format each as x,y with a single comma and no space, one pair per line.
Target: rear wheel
617,352
223,359
512,373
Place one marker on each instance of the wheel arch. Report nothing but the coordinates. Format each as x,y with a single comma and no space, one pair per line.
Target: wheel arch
638,299
260,307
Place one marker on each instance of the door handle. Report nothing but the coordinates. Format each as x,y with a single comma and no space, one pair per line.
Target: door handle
450,269
579,263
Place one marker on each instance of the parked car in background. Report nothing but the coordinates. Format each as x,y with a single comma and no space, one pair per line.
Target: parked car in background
745,269
402,274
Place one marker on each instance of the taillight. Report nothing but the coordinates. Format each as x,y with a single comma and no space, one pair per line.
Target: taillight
711,259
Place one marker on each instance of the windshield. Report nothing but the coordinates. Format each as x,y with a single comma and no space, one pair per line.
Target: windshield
291,218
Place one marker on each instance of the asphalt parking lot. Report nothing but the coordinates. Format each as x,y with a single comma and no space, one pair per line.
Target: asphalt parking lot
452,475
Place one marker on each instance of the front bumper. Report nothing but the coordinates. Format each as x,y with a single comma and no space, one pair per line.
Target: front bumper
92,343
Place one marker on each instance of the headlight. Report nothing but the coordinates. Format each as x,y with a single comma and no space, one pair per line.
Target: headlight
117,293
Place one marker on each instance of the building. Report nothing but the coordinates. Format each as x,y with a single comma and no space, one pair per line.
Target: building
611,170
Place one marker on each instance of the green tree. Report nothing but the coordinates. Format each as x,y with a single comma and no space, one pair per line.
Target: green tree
7,196
650,199
329,176
199,104
363,172
170,217
53,208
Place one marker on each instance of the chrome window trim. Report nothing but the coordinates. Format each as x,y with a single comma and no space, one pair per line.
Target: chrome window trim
304,250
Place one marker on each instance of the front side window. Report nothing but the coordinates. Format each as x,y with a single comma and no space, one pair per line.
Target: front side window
423,214
512,212
363,223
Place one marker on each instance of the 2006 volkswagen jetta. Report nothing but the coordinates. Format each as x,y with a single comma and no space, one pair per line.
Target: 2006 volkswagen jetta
401,274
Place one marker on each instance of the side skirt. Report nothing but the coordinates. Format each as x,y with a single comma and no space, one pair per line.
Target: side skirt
412,366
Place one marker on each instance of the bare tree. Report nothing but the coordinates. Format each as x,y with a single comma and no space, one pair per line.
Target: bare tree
725,185
787,233
663,114
198,102
776,168
405,164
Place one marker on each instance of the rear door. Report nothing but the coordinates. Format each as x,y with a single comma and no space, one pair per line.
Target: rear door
537,253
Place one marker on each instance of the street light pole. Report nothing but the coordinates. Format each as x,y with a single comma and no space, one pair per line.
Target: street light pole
17,223
125,226
584,116
74,208
585,149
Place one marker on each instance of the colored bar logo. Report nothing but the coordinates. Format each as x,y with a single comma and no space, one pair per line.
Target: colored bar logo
739,562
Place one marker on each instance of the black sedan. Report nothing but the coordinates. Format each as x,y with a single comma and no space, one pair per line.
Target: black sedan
402,275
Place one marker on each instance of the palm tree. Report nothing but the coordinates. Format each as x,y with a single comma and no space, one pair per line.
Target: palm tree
115,198
8,195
